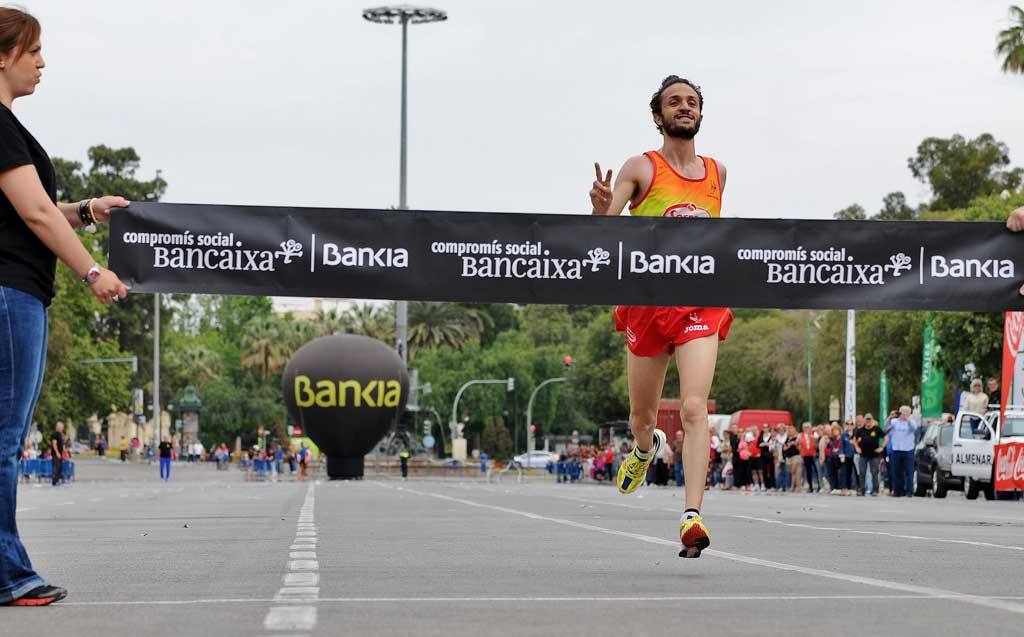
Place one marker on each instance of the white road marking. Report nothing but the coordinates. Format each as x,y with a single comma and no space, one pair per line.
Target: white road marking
853,579
290,618
303,594
301,579
172,602
24,509
298,587
794,524
447,600
885,533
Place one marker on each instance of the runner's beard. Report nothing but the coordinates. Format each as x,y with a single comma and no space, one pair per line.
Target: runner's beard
683,132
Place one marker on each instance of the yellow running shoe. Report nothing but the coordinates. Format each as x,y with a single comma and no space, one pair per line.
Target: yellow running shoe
633,471
694,537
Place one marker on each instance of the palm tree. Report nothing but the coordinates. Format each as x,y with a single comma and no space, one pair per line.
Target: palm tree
1011,42
295,334
371,320
201,361
263,347
432,325
191,364
332,321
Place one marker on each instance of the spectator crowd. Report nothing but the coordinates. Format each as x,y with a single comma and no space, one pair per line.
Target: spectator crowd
862,457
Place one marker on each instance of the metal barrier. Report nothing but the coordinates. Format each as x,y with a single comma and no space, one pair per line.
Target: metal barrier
40,468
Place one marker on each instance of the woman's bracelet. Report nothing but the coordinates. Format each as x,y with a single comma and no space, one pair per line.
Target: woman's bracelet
85,213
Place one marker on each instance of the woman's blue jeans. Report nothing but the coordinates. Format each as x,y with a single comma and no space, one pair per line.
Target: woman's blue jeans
22,360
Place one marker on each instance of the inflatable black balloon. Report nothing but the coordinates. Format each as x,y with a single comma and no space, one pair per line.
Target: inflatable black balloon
345,391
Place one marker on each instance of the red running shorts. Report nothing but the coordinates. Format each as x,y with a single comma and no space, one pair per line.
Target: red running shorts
652,330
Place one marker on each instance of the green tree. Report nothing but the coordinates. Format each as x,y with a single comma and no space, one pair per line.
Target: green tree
229,314
895,208
263,347
112,172
853,212
1011,42
332,321
599,374
503,317
970,337
762,364
432,325
192,364
231,409
373,321
495,439
960,170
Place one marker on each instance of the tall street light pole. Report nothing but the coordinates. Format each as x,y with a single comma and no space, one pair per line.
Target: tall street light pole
810,372
157,425
405,15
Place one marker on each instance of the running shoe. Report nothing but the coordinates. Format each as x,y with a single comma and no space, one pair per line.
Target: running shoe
694,537
40,596
633,471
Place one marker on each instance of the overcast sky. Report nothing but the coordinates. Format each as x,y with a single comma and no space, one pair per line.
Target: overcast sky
812,105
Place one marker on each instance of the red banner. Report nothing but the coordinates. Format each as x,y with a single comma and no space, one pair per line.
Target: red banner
1010,466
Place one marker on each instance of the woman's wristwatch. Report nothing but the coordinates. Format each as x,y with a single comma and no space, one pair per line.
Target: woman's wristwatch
92,275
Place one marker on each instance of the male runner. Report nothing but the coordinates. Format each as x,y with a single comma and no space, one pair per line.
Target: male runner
670,182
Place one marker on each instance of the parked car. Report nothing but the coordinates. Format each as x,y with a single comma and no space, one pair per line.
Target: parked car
958,456
926,456
536,459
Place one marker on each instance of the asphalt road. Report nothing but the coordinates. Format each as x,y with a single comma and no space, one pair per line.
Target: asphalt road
209,553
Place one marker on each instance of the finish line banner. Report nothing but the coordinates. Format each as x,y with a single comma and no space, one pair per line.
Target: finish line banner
574,259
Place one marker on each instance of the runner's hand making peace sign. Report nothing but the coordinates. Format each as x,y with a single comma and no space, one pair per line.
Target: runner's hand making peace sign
601,192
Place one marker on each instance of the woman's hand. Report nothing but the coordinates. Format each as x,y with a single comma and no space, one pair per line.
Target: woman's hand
1015,222
108,288
101,206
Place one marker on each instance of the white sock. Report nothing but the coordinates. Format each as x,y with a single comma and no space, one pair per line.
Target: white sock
643,455
690,513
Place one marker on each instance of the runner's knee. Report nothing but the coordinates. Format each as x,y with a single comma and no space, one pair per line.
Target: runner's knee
643,419
695,412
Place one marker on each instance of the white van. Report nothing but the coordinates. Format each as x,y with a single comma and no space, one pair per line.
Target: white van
965,451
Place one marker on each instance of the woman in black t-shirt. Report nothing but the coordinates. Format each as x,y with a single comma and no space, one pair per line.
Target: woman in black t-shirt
35,231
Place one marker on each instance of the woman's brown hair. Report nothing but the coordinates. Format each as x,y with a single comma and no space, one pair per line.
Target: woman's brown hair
18,31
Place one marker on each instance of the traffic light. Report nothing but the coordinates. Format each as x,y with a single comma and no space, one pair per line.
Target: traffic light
511,384
533,429
568,363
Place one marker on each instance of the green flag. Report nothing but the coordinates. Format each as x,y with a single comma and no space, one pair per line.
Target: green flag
883,396
931,377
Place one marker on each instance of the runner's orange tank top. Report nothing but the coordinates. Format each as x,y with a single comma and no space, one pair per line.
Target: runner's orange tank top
672,195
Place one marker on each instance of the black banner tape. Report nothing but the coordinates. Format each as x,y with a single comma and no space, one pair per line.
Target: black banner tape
578,259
